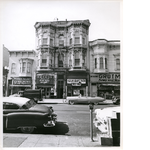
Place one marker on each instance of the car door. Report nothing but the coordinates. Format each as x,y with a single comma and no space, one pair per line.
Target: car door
8,108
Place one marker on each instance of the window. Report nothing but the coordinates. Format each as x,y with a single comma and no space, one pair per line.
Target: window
77,59
61,42
118,64
28,67
24,67
101,63
83,41
44,61
10,106
39,41
13,68
95,63
105,63
51,42
60,60
70,63
77,40
70,41
44,41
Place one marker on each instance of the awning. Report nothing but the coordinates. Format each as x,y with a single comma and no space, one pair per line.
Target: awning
47,86
20,85
110,84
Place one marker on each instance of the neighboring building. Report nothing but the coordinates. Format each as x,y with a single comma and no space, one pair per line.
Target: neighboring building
5,69
62,66
104,67
22,66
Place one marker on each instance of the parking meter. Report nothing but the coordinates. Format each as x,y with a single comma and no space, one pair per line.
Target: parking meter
91,106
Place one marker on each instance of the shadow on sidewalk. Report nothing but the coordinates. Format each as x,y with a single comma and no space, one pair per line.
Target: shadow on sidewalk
61,128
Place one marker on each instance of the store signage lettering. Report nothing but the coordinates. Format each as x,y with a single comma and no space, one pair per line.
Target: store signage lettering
22,81
109,77
76,84
70,81
45,78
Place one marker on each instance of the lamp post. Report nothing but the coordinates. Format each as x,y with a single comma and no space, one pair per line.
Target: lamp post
6,73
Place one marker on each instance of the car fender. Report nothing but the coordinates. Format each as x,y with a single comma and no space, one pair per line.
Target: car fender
15,120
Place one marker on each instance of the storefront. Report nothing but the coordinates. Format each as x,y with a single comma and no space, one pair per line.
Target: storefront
20,84
48,83
104,84
77,83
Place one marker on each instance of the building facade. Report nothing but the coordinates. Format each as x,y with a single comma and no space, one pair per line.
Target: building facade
104,67
62,54
22,64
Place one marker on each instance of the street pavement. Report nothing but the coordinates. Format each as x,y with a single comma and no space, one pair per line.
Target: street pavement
50,140
64,101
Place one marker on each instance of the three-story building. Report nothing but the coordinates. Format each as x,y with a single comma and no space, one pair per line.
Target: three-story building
62,48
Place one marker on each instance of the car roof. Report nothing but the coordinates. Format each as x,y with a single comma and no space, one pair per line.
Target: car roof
16,100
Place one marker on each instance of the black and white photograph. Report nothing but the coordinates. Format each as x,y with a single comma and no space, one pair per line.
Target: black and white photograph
61,66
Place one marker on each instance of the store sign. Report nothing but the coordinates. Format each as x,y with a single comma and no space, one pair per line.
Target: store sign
22,81
45,78
82,81
109,77
105,77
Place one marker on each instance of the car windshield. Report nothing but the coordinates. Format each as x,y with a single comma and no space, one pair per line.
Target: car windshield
29,104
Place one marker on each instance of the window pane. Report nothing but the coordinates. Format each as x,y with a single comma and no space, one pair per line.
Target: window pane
28,67
77,62
44,61
61,42
101,63
51,42
44,40
23,66
95,62
105,63
117,64
77,40
13,67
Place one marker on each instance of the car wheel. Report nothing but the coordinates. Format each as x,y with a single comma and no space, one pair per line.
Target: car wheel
71,102
27,129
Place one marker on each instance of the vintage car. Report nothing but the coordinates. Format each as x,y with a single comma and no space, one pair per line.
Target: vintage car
26,114
84,100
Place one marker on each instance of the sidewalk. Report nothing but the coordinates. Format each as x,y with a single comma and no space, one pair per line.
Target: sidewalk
62,101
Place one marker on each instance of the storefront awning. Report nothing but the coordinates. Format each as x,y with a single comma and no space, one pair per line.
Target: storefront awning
110,84
20,85
45,86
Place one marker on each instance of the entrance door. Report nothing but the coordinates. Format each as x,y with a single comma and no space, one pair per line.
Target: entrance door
60,89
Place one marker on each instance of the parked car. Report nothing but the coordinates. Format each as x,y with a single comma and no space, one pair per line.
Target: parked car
84,100
116,100
26,114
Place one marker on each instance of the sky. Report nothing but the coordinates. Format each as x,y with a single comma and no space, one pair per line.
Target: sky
19,17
